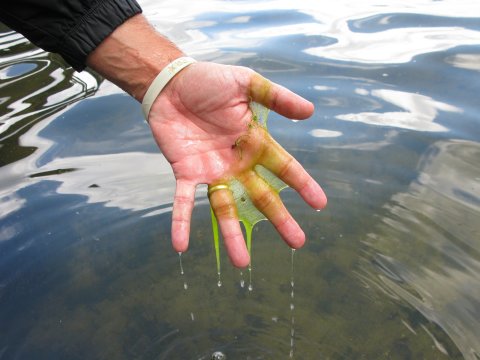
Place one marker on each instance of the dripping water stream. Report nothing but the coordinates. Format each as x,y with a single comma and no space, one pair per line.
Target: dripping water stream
185,284
292,305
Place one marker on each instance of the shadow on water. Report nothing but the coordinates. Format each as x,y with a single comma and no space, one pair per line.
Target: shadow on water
390,269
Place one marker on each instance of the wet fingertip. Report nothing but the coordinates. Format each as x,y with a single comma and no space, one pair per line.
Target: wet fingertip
312,107
298,246
315,196
180,245
180,248
240,262
308,110
297,240
321,203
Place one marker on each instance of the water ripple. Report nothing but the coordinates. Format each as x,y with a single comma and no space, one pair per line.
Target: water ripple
428,243
391,266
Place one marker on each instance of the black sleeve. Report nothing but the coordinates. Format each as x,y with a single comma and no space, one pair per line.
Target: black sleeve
72,28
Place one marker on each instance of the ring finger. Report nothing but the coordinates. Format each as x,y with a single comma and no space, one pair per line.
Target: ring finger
225,210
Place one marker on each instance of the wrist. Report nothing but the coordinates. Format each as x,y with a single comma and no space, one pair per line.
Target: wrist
133,55
161,80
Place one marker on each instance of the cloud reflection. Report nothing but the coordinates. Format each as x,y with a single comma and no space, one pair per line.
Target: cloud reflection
420,111
132,181
10,203
465,61
393,46
378,44
322,133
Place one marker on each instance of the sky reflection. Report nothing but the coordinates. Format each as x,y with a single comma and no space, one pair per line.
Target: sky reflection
394,142
393,46
420,111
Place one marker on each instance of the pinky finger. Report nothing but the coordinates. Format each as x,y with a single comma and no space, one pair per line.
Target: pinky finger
181,215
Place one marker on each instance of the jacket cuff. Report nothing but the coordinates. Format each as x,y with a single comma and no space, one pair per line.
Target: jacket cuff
92,28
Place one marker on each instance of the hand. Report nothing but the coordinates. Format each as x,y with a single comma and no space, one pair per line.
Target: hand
203,125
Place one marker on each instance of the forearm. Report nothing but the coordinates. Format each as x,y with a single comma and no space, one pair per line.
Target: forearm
71,28
133,55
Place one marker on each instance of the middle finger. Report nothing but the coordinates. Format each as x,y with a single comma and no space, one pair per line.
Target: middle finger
286,167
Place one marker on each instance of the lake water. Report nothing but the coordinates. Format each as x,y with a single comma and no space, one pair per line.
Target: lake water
391,269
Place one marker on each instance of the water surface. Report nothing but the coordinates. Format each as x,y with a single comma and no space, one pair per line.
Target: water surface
390,270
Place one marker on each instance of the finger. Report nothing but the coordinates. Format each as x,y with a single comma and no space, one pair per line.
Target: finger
276,159
225,211
181,214
269,203
279,99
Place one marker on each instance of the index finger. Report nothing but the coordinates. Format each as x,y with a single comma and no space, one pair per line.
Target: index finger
276,159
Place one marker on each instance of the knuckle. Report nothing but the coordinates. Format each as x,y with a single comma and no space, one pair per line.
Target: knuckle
265,199
286,168
303,183
182,200
225,210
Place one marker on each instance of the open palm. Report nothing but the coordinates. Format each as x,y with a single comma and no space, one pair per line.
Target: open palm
203,124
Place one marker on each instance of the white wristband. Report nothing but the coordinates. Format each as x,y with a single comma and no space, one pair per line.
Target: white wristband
161,80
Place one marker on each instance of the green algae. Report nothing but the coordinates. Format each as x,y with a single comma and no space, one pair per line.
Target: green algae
248,214
216,243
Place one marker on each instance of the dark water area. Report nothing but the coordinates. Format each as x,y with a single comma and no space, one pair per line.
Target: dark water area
391,267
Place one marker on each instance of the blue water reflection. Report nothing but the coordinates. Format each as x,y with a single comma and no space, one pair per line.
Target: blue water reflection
391,266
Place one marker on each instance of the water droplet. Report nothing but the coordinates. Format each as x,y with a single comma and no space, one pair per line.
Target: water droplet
180,261
185,285
219,283
242,282
318,210
292,305
250,286
218,355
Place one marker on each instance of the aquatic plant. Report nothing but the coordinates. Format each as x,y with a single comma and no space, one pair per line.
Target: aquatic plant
247,213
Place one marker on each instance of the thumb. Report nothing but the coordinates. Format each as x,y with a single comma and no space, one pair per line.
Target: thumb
278,98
